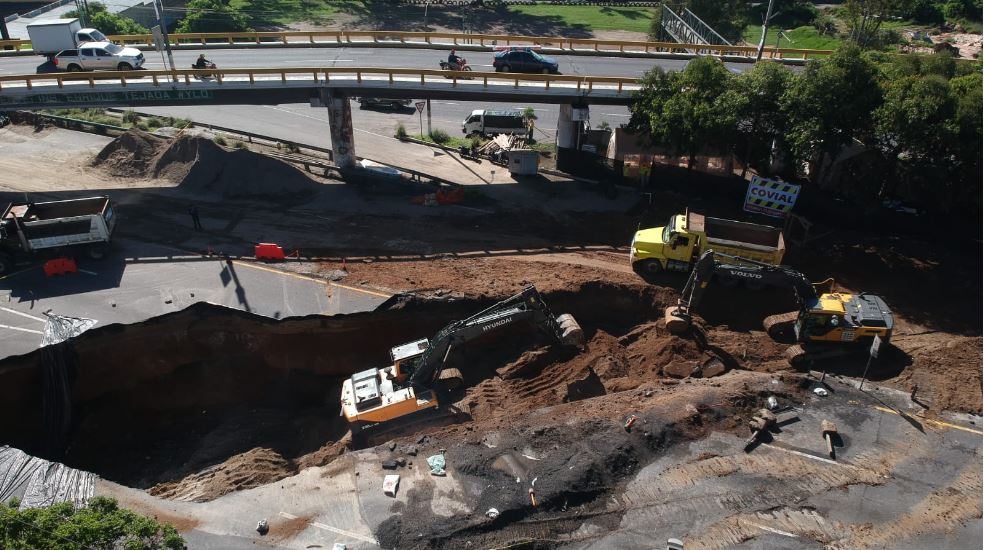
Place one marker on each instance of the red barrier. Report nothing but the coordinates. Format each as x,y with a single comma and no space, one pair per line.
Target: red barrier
60,266
268,251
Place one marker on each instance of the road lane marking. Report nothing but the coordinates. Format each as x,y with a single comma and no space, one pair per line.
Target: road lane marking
804,455
356,289
335,530
772,530
87,272
938,423
15,312
32,331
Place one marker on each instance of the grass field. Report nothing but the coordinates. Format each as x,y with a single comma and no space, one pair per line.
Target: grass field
283,12
802,37
592,18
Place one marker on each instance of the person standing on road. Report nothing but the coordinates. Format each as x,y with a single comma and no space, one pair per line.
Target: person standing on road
193,211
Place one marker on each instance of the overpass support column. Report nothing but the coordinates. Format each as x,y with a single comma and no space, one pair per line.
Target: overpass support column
342,134
568,134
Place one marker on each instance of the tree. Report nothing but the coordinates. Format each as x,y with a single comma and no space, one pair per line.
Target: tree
109,23
685,111
100,524
754,96
212,16
829,104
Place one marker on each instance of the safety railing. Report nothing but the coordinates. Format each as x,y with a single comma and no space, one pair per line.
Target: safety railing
389,38
316,75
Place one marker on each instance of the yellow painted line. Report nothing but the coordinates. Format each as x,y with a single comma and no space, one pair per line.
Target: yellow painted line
363,290
938,423
279,271
310,278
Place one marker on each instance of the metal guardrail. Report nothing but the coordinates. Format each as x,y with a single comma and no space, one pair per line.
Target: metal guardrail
318,75
389,38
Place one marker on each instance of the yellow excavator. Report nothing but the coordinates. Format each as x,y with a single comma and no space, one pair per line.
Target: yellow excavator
420,374
826,325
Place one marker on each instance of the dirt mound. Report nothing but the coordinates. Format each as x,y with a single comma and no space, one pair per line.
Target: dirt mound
244,471
199,164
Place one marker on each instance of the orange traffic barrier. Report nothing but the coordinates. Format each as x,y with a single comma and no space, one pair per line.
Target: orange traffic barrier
268,251
60,266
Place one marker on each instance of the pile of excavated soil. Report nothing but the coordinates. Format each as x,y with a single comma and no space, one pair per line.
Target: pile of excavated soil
200,165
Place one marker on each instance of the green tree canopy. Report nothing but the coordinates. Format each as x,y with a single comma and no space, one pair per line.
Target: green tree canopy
685,112
754,96
108,23
101,524
212,16
830,103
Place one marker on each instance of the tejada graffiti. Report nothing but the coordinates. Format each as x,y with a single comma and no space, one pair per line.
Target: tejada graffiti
154,96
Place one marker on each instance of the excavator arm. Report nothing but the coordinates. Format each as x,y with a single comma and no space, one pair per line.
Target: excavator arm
527,306
678,317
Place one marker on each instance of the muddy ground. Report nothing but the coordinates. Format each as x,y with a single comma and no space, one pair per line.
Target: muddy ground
208,401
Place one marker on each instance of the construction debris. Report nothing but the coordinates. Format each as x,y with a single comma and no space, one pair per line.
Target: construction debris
437,464
262,527
391,484
760,425
829,430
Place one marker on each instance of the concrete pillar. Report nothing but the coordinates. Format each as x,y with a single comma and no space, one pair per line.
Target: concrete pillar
342,134
567,137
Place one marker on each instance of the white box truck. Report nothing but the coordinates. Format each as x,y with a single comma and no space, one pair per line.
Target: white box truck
51,36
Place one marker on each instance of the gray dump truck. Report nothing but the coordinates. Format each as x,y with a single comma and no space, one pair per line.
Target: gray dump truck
28,229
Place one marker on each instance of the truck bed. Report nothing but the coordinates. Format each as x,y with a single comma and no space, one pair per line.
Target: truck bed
737,234
37,211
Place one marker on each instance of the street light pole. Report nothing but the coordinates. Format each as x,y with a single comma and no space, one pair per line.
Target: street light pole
167,40
765,31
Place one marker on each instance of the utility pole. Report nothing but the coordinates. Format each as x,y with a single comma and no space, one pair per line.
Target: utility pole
167,41
765,31
429,130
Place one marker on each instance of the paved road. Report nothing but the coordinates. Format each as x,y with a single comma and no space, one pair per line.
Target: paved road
140,281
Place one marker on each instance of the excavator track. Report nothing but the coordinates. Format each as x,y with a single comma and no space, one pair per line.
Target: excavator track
780,327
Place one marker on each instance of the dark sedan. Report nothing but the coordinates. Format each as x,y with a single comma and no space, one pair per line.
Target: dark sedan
524,61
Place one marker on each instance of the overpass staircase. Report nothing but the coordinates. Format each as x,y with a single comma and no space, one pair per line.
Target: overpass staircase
686,28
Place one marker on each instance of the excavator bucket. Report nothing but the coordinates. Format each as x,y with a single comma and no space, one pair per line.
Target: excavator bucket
570,332
676,320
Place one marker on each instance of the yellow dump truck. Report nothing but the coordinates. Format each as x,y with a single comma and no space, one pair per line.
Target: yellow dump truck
677,245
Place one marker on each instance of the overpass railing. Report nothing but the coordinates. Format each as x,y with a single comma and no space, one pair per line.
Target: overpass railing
315,75
392,38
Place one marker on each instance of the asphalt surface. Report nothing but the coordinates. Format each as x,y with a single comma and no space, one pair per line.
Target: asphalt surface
138,281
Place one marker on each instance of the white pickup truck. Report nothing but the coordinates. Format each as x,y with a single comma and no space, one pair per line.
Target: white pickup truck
30,228
100,56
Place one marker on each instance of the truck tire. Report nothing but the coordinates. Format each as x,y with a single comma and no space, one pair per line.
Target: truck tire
6,265
648,267
73,68
124,67
96,251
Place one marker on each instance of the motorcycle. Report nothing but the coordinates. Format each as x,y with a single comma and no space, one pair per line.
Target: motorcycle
462,66
206,75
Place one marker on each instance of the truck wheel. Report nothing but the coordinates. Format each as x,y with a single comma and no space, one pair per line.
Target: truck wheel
97,251
73,68
648,267
124,67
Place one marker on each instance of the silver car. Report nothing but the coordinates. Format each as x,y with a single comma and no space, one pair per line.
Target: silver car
100,56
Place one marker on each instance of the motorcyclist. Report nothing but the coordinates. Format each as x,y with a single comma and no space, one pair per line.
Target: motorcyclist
203,63
454,62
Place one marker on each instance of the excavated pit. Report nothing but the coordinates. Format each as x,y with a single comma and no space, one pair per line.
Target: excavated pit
194,404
